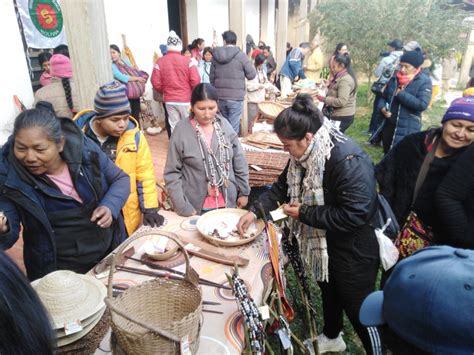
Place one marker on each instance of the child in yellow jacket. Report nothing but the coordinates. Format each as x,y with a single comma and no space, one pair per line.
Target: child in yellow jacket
118,134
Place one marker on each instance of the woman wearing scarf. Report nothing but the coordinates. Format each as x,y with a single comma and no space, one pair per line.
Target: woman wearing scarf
406,96
329,193
397,173
341,97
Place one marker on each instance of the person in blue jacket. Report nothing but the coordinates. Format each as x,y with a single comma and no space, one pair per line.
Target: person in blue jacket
292,69
64,191
407,95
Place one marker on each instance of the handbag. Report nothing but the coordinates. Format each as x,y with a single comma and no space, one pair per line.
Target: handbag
383,215
135,89
327,111
414,235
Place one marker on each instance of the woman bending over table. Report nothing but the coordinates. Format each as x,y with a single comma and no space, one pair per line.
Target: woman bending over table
206,166
329,193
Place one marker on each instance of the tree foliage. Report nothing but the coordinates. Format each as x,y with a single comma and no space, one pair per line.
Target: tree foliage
367,25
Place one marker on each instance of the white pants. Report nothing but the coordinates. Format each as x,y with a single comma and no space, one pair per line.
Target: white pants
176,113
285,84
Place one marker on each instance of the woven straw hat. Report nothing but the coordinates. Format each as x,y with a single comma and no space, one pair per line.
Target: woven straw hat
68,339
68,296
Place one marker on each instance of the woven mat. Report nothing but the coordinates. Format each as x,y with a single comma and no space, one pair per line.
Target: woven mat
263,140
272,165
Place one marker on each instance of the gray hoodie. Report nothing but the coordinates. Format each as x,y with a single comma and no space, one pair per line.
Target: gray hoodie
230,66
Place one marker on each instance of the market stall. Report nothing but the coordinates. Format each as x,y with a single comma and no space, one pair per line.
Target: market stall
221,331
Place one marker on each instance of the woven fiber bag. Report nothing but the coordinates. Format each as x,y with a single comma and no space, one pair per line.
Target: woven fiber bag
153,317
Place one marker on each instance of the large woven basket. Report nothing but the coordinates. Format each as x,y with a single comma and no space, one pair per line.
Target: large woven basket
270,109
154,316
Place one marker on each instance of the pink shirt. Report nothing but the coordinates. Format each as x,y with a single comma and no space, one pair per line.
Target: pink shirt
210,201
45,79
64,182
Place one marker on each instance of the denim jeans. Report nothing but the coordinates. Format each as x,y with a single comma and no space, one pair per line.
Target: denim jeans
377,117
232,110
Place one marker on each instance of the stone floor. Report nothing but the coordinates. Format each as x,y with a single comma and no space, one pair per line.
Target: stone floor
158,146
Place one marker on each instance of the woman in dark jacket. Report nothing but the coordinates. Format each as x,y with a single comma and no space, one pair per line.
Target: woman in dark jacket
406,96
63,190
329,192
398,171
455,203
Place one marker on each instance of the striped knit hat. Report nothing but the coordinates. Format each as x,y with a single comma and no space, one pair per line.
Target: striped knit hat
111,99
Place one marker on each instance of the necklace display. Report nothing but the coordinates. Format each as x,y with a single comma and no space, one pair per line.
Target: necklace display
216,164
250,313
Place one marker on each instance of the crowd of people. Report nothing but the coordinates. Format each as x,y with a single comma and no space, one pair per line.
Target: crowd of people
76,184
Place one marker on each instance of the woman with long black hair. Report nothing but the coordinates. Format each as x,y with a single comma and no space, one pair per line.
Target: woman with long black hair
60,92
328,191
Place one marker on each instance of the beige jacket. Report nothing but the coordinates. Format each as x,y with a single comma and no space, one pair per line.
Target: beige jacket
54,94
315,65
340,98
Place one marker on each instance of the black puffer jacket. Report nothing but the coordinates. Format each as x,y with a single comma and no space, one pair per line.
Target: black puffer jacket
349,193
229,69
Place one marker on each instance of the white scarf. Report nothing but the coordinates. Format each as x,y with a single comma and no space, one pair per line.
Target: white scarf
305,185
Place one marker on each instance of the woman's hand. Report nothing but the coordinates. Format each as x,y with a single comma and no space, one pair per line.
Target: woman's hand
242,201
137,78
245,221
385,113
3,223
292,210
103,216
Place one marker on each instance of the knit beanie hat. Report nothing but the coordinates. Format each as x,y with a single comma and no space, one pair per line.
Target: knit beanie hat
414,58
412,46
163,49
60,66
111,99
460,109
174,42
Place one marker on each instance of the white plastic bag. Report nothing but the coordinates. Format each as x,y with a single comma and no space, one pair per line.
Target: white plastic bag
387,250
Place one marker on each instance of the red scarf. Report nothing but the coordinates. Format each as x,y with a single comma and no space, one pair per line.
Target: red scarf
405,79
337,76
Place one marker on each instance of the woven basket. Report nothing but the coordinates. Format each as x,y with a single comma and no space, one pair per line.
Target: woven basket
270,109
154,316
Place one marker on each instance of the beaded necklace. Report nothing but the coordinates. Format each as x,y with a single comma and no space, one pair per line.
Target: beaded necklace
216,166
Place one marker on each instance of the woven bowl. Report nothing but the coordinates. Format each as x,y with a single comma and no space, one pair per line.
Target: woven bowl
226,219
270,109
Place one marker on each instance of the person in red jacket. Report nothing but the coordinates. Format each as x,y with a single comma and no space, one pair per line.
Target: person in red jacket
175,76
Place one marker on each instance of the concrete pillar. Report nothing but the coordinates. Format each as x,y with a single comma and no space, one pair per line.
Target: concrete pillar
467,60
237,21
192,19
87,33
281,33
302,23
264,20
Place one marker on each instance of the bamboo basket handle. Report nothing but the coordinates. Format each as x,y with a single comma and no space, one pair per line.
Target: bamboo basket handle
190,274
159,331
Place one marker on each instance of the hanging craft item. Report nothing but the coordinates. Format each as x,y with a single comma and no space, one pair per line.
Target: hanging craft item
274,249
292,251
254,330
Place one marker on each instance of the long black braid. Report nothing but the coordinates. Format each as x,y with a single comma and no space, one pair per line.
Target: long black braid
67,91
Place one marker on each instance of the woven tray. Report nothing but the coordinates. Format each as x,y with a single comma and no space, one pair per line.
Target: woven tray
272,165
270,109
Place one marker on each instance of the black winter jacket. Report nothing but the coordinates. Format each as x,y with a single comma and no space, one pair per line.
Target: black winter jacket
407,106
229,69
455,200
398,171
350,195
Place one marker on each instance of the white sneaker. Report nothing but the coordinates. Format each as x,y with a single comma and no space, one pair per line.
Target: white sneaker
153,130
327,345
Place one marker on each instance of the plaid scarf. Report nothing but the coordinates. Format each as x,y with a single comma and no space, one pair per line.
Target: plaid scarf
305,185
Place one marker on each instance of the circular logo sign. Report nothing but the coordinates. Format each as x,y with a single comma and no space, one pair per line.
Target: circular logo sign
47,17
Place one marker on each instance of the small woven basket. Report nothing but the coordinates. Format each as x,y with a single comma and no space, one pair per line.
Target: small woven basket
154,316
